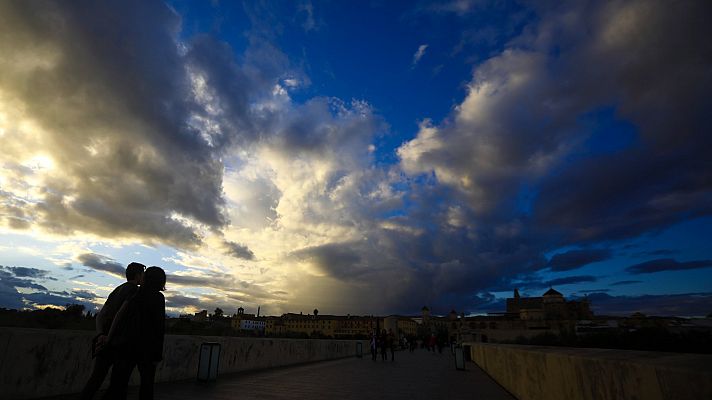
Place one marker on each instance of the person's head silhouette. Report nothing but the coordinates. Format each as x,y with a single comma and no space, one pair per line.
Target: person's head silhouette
154,279
134,272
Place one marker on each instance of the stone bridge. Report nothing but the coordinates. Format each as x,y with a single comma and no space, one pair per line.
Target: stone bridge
53,363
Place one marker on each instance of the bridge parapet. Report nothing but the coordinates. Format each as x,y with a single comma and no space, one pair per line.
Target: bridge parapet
41,362
538,372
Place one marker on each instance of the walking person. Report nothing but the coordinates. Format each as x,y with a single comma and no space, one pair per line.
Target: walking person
103,357
374,346
383,342
392,344
137,334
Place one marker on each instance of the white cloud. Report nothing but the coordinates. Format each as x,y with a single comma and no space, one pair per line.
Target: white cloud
419,53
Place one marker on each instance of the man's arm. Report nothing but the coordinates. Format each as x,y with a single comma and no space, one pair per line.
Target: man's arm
106,314
111,307
160,328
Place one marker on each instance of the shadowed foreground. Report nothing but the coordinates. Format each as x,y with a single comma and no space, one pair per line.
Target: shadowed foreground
420,375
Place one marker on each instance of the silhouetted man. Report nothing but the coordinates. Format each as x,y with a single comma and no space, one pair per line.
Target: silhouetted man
104,359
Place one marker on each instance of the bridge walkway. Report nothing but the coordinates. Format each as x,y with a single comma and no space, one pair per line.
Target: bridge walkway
418,375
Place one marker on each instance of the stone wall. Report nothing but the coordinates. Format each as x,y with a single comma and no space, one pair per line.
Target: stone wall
537,372
39,363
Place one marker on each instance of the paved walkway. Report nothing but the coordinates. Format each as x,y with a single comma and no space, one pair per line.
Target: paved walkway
418,375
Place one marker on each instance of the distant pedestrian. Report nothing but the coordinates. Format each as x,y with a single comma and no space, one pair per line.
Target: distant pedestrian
392,344
432,342
103,356
383,342
374,346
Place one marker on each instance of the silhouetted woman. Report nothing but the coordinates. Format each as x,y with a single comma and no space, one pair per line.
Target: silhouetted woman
138,332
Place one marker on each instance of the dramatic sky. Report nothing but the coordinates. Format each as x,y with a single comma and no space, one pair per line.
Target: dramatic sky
363,157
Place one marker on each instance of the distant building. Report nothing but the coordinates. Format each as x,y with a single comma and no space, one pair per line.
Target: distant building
400,325
247,322
274,326
551,305
200,316
529,316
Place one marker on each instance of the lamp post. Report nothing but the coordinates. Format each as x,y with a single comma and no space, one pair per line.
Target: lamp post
359,349
459,358
208,361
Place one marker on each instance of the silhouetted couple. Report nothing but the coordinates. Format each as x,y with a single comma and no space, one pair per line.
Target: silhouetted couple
130,328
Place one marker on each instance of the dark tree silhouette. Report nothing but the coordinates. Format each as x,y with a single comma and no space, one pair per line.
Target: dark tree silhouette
316,312
74,310
218,313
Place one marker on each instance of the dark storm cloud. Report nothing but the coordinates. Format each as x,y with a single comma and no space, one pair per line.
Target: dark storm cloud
595,291
341,260
42,298
206,279
684,305
84,294
577,258
534,282
653,253
138,125
9,296
620,283
180,301
571,279
239,251
25,272
11,279
205,302
101,263
216,280
518,149
659,75
667,264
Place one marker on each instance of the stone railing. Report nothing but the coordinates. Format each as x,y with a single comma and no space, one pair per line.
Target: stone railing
38,363
535,372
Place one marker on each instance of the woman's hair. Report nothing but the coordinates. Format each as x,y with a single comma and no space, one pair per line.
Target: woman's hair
154,279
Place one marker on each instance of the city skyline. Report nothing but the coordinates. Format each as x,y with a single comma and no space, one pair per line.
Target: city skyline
358,157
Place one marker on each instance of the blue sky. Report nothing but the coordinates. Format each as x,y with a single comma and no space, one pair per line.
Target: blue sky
357,157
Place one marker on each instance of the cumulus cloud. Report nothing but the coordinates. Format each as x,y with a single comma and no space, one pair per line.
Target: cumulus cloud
125,124
515,149
518,121
667,264
116,126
